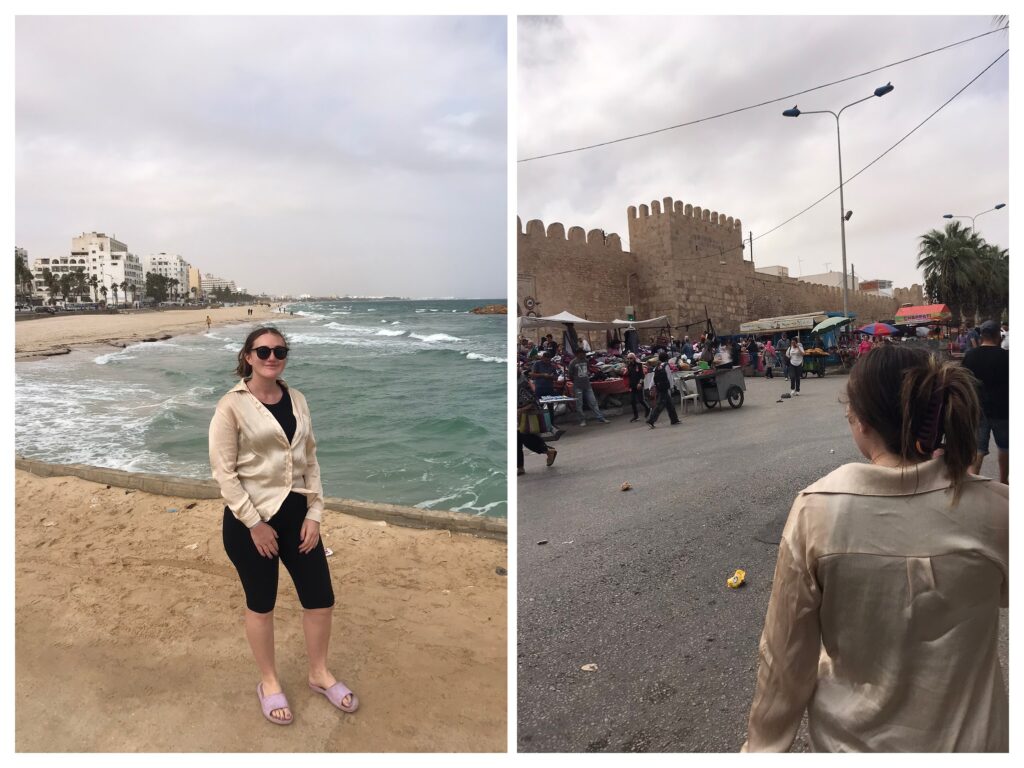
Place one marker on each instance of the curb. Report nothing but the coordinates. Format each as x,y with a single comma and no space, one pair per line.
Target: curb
169,485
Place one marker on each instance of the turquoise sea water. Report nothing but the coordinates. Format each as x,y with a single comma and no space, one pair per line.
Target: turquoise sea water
407,399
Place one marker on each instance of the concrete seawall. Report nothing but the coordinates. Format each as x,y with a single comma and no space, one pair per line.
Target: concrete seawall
169,485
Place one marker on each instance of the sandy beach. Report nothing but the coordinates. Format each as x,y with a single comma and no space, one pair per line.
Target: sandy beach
129,637
55,334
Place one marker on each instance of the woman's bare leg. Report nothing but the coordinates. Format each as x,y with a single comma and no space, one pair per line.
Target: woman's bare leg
316,624
259,630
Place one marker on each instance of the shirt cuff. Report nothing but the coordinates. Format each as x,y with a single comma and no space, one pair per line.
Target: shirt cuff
315,514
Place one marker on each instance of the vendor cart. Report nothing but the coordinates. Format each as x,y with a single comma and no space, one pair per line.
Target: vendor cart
721,384
814,364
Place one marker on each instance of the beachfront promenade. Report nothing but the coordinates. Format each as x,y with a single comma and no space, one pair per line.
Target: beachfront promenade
634,581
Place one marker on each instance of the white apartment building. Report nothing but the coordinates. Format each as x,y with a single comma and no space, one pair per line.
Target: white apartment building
210,283
109,261
777,271
173,267
834,279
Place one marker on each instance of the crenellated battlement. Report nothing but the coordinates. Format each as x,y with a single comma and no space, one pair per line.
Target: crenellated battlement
595,238
678,209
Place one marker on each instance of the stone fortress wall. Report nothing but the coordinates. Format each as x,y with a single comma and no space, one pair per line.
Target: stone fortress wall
683,258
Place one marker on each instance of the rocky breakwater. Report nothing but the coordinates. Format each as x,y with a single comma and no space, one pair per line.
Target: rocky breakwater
491,309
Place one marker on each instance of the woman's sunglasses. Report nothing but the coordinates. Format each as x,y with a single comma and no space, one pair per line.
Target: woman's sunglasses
263,353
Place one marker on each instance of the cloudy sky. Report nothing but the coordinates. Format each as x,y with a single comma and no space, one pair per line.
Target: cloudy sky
585,80
320,155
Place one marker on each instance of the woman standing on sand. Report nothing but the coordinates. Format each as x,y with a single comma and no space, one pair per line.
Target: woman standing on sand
263,456
883,621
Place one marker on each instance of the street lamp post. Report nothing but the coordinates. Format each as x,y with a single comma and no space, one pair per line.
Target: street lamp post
795,112
972,218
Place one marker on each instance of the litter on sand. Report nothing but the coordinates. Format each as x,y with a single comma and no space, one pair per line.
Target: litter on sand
191,546
626,486
328,551
589,667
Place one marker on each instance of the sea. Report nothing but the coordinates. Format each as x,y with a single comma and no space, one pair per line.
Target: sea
407,399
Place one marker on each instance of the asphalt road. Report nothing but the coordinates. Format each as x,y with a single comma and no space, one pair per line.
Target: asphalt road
634,581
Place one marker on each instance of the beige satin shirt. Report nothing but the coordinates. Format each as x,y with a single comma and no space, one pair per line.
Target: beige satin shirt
884,615
253,462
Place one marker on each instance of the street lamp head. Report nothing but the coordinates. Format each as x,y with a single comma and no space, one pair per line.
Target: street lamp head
794,112
947,215
884,89
848,215
1001,205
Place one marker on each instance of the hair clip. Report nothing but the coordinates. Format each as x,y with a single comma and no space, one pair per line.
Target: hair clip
931,431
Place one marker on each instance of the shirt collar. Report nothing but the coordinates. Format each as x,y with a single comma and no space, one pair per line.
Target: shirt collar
240,386
872,480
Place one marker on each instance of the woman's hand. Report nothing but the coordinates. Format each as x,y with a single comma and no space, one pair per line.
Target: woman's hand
265,539
310,536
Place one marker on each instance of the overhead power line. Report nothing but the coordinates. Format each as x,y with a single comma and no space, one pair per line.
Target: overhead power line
760,104
858,173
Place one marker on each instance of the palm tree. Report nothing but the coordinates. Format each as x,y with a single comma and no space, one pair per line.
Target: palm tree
94,283
113,287
949,260
23,276
993,282
52,284
64,284
103,290
124,289
193,291
81,283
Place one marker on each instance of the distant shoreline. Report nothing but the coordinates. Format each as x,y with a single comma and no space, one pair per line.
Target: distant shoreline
56,335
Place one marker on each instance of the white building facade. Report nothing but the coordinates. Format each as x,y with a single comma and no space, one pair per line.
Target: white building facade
173,267
210,284
834,279
108,259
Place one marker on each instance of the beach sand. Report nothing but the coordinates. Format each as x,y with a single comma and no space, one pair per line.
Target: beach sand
54,334
129,634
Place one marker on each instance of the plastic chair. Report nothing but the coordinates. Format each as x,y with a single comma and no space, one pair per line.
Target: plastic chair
688,393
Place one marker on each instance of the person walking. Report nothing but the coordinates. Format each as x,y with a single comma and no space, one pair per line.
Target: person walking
752,353
530,420
687,348
579,373
769,359
263,457
635,375
795,357
664,387
990,364
209,322
883,619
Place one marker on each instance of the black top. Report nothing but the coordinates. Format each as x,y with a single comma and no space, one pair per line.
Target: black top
282,411
991,366
635,371
661,381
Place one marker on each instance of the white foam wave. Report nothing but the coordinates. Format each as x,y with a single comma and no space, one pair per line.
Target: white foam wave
372,309
390,332
485,358
435,337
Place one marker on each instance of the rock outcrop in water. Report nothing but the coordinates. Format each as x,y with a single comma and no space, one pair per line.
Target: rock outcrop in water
491,309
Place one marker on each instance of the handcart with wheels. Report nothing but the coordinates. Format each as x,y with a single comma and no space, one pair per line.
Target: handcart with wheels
721,385
814,364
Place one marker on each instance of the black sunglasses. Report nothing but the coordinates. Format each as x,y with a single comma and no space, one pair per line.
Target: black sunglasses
263,353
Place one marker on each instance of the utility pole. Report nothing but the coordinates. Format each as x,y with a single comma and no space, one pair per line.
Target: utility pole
751,246
853,277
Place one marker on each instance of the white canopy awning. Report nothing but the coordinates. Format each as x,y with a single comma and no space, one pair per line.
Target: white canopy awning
561,319
654,322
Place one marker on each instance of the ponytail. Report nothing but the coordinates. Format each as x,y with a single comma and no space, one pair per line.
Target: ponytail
918,405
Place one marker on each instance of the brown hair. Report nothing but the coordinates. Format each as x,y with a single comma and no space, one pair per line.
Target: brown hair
917,404
244,370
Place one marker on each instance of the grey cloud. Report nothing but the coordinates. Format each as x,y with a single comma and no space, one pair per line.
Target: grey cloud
344,148
589,79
